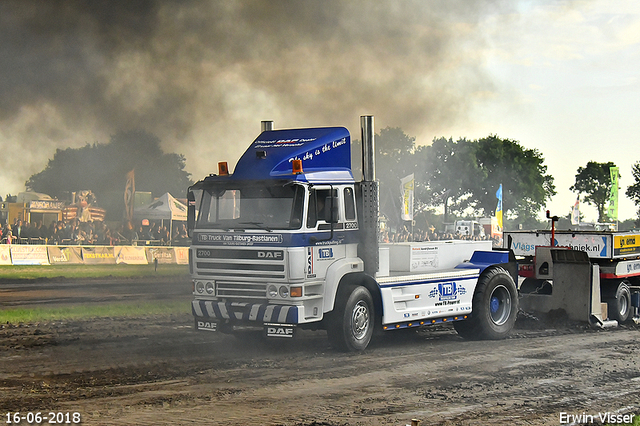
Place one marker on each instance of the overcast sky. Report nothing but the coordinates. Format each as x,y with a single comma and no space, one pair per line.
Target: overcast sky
558,76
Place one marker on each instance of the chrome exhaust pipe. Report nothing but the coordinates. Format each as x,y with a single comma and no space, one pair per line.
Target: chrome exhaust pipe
368,148
266,126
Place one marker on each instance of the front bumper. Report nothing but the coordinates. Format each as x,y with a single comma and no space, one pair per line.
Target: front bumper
253,312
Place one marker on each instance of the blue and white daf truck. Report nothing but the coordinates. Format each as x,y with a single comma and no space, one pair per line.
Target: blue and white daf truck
289,241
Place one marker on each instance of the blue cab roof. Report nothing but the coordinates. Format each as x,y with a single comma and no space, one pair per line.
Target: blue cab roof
325,153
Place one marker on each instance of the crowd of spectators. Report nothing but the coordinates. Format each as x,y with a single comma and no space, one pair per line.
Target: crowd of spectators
418,235
75,232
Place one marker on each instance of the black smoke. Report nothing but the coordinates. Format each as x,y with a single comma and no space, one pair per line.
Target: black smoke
202,74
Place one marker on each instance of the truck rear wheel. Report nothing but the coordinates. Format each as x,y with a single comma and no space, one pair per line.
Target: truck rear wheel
351,322
618,298
495,307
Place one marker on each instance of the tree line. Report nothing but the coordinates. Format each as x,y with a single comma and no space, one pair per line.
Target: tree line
102,168
462,175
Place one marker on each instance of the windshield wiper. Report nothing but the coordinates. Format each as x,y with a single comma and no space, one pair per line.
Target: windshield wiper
257,224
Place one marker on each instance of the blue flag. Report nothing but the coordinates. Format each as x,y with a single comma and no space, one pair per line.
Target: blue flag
499,207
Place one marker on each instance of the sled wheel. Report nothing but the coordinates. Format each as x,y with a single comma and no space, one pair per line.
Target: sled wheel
351,323
618,298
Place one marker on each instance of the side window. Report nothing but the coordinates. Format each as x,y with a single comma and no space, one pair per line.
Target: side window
318,208
322,209
312,216
349,204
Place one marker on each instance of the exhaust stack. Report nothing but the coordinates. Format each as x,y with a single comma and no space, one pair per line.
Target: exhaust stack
368,148
368,248
266,125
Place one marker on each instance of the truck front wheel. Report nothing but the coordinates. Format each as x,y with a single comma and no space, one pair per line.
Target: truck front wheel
495,307
350,324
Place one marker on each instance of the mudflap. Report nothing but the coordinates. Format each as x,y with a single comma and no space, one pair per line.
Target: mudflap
286,331
205,324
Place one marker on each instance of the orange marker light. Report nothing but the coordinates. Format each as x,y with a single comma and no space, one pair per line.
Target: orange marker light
223,169
295,291
296,165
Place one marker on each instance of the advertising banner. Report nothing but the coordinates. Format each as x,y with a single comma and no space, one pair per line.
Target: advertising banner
130,255
407,187
182,255
98,255
29,255
5,255
612,212
163,254
66,255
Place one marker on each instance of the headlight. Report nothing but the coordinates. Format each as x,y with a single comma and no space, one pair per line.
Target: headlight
209,287
284,292
199,287
273,291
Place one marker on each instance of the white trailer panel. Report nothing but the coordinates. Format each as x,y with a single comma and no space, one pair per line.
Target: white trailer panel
599,245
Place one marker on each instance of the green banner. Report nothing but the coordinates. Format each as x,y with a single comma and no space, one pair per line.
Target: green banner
613,196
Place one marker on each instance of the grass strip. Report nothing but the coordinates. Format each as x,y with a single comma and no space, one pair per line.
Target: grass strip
122,310
9,272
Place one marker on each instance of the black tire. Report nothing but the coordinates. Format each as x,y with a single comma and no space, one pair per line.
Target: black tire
618,298
351,322
495,307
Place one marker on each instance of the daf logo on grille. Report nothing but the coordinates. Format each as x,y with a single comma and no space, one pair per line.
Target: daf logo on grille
270,255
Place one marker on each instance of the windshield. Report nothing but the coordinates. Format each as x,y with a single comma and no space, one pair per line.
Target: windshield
250,206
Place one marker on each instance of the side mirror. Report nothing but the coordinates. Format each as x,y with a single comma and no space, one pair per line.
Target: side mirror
331,211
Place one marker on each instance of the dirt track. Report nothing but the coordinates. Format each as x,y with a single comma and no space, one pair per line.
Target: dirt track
157,370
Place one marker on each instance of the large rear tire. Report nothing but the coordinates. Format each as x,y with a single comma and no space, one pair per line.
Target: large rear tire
618,298
495,307
351,322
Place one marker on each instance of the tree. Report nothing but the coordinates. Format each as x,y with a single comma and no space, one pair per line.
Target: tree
594,181
446,168
633,191
394,160
102,168
525,185
469,173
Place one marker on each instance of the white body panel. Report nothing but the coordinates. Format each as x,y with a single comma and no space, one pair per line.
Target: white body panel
431,256
425,296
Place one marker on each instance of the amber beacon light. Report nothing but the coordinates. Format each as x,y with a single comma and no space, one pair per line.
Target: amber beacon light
223,168
296,165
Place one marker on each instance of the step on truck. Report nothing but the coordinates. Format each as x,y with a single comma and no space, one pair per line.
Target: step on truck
592,276
289,241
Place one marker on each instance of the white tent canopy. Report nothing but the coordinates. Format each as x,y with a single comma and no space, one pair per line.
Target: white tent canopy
165,207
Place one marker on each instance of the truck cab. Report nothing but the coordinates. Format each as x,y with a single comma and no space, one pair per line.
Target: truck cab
265,237
290,240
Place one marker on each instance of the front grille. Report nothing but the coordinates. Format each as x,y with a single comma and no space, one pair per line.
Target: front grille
255,265
241,290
